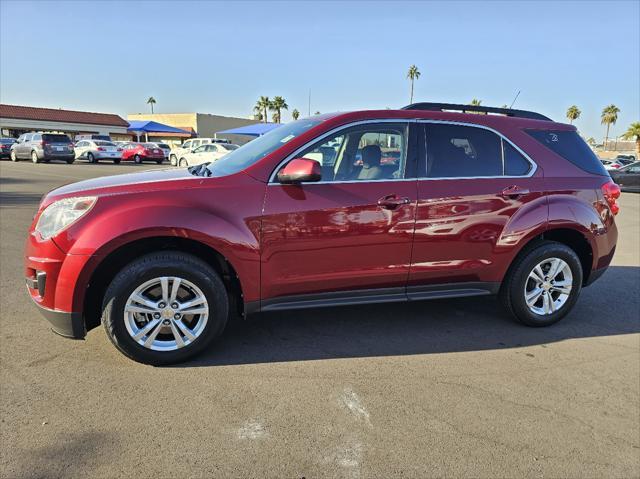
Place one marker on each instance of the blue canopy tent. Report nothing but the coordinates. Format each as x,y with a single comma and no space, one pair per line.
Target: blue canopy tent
257,129
139,127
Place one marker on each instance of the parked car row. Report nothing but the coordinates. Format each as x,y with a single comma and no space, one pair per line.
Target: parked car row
618,162
44,147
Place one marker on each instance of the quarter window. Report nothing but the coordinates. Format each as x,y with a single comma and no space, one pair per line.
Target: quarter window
514,163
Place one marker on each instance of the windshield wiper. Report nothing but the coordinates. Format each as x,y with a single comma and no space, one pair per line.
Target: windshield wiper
200,170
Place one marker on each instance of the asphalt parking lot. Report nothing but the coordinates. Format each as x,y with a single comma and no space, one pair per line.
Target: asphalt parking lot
443,388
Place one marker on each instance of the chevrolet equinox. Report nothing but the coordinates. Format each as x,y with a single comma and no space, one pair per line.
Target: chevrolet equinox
430,201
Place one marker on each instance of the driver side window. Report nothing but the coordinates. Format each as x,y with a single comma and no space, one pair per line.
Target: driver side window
371,152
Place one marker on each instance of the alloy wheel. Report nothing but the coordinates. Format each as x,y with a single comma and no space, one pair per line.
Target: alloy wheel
548,286
166,313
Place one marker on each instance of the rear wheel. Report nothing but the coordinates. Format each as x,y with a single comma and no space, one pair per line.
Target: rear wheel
70,161
173,160
160,161
91,158
137,159
165,308
183,162
116,161
34,157
13,156
543,284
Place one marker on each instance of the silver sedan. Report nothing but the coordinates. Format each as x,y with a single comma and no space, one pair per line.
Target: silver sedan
95,150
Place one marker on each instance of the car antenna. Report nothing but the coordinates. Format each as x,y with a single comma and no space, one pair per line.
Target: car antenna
514,100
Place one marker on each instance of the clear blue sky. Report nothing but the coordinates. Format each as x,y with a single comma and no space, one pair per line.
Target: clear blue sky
216,57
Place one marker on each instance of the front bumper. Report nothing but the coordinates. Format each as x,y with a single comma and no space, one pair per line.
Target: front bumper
69,325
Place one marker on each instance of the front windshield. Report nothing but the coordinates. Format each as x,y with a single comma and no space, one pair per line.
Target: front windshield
239,159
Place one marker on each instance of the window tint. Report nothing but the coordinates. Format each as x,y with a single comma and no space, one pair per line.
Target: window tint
186,144
455,151
370,152
514,163
571,147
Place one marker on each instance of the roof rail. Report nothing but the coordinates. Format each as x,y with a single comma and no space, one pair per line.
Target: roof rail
476,109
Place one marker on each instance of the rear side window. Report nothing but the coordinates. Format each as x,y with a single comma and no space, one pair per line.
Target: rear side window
56,138
571,147
455,151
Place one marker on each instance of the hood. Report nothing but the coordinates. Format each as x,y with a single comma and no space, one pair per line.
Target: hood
151,179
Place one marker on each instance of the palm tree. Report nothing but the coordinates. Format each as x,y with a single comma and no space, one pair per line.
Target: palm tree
257,113
295,114
609,117
573,113
475,102
262,106
413,74
633,133
151,101
505,106
277,105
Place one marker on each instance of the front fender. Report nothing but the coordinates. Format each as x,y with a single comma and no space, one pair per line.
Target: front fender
231,228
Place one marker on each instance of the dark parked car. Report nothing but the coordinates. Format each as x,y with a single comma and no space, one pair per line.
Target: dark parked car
44,147
506,203
5,147
628,177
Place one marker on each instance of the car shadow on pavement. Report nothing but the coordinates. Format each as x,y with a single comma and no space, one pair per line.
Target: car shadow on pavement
609,307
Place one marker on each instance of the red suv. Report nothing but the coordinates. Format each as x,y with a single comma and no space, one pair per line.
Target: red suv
500,201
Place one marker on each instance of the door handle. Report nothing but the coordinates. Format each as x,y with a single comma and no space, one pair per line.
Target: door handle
514,191
391,202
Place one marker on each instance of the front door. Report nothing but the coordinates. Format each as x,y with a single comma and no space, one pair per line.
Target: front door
473,186
352,230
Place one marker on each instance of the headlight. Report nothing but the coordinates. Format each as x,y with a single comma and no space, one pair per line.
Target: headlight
61,214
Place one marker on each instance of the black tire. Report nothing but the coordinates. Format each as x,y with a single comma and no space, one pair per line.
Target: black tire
34,157
116,161
183,163
70,161
91,158
137,159
160,161
512,291
166,263
13,156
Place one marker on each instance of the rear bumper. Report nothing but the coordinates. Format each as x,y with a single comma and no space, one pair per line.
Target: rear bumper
69,325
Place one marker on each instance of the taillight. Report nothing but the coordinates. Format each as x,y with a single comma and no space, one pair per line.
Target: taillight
101,149
611,193
615,165
119,149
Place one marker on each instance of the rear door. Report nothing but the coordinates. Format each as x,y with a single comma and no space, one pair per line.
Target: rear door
473,184
353,230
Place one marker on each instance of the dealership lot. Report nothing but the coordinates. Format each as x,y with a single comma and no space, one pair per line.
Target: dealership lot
442,388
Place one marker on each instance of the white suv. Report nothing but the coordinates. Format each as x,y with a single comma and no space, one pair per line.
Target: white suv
190,145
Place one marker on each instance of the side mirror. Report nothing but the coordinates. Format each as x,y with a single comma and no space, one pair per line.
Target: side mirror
300,170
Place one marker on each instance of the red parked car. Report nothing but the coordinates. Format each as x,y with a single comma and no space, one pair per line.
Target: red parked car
505,203
140,152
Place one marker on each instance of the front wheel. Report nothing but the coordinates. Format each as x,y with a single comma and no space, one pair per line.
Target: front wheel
70,161
13,156
116,161
183,162
173,160
165,308
137,159
543,284
160,161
